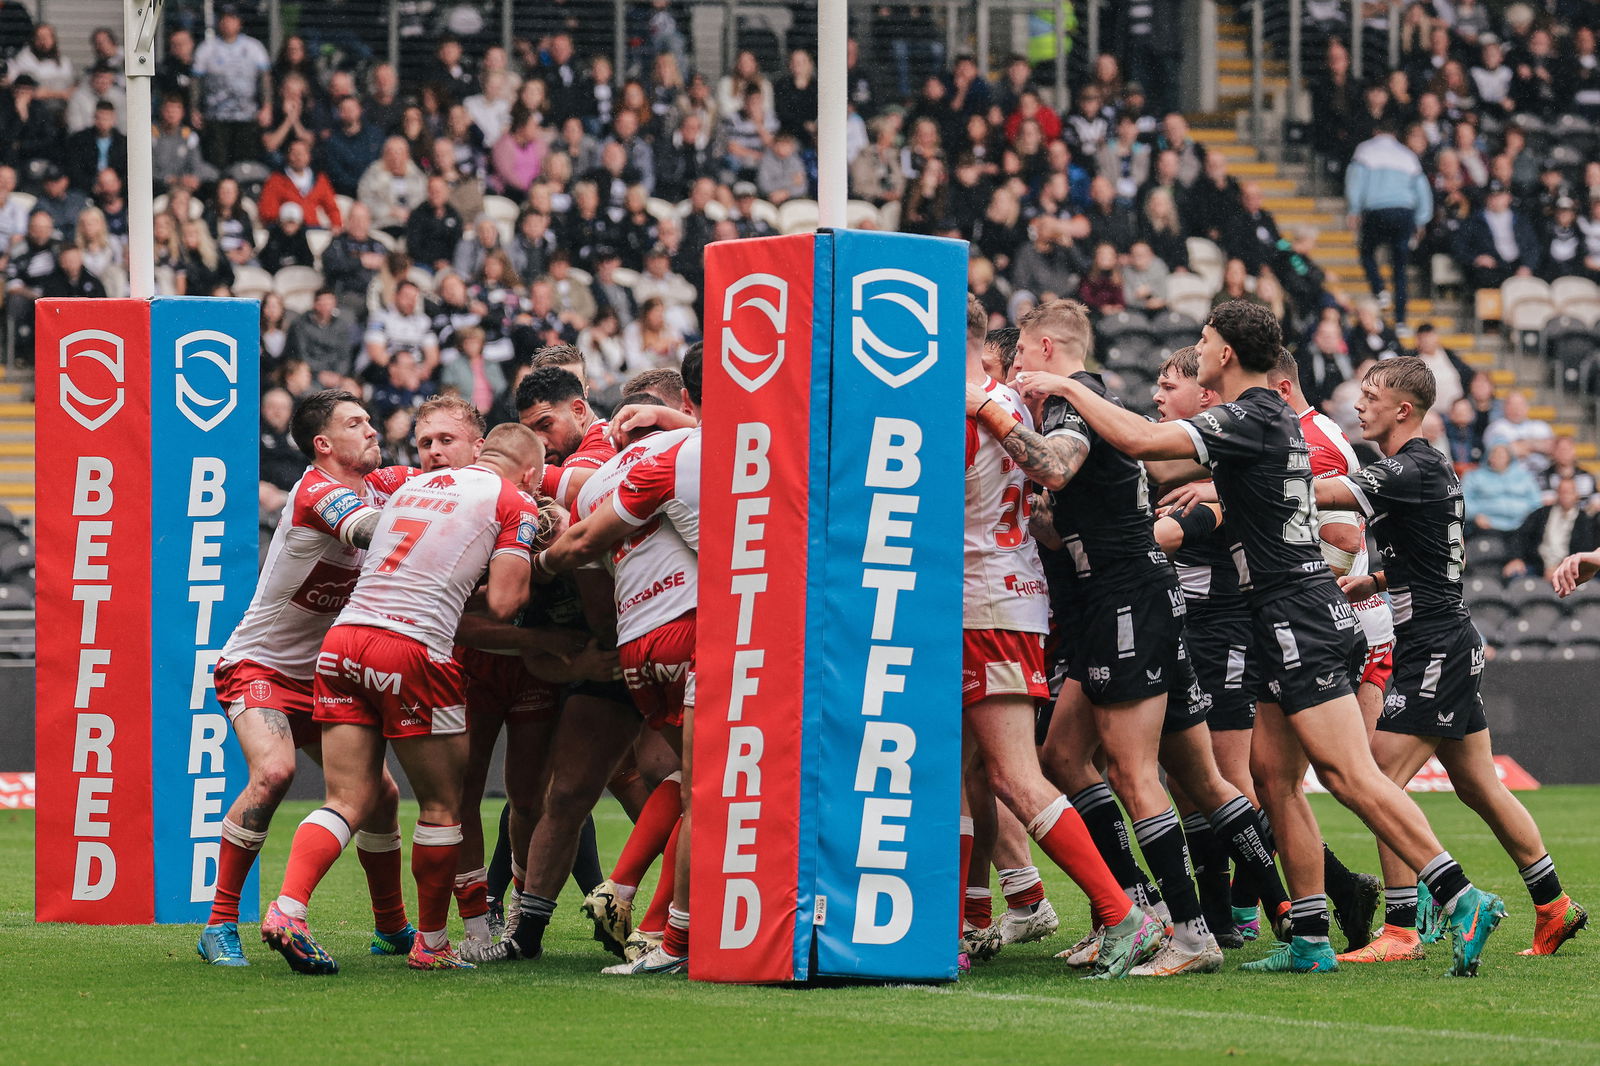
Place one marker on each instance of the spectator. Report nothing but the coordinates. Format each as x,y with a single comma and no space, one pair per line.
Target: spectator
474,378
1031,108
1497,242
1370,337
734,88
1087,129
1465,439
235,82
392,186
609,292
1000,232
614,176
105,255
326,338
27,130
1553,532
875,173
490,109
175,71
546,326
927,200
1324,362
1252,234
604,362
402,387
350,148
286,244
782,173
1499,496
533,244
677,295
281,462
1191,156
1109,221
1213,200
203,270
434,230
970,195
685,157
89,151
1451,376
1562,251
71,278
746,134
1529,439
1303,281
99,88
175,150
13,213
1048,266
518,156
1162,229
61,202
402,325
1125,160
573,296
274,328
1101,289
745,215
473,249
1236,285
54,77
297,183
649,340
1491,78
1144,279
1564,464
1389,201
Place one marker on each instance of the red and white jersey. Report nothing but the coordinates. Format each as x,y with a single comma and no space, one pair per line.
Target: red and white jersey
1332,456
1004,580
433,541
593,452
309,572
656,570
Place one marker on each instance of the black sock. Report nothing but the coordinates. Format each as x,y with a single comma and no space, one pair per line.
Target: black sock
1308,917
1336,877
1100,813
1210,857
1268,840
500,865
1543,884
1240,825
586,863
1400,907
1245,895
1161,839
1445,879
529,936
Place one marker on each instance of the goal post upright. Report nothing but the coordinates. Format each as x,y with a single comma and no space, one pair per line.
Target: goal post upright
141,22
833,93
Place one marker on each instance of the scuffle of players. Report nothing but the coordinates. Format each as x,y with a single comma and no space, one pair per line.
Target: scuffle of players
1198,589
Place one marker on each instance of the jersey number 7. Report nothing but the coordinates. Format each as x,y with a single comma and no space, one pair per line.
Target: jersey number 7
410,530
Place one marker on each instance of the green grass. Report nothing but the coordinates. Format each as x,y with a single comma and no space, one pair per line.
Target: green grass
89,995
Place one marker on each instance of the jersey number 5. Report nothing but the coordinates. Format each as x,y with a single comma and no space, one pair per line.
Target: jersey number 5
410,530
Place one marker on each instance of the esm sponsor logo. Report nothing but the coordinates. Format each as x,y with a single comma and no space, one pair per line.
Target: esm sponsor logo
211,359
915,345
90,396
753,341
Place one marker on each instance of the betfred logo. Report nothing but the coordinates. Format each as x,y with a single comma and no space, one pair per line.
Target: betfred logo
87,395
915,345
212,359
326,589
753,342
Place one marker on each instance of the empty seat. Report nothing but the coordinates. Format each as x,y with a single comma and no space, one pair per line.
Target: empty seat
1543,615
15,558
1486,549
1491,618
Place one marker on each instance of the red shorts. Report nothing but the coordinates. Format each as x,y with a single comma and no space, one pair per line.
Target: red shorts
249,684
1379,665
1002,662
659,670
500,687
369,676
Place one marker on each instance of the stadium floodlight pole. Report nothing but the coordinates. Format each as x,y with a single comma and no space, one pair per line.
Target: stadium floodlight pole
140,19
833,94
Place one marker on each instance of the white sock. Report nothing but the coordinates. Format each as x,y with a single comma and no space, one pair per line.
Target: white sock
436,938
477,926
292,907
626,892
1190,936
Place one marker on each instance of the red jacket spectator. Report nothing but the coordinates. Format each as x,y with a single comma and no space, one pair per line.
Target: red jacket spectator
1034,108
284,187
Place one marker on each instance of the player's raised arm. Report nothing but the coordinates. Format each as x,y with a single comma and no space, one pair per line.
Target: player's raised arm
1336,494
1126,431
1573,571
1050,461
583,543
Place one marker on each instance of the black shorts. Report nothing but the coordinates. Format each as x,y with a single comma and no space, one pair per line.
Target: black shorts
1123,646
1436,688
611,691
1308,646
1187,703
1219,648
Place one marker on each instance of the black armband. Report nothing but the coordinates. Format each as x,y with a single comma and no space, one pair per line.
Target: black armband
1201,521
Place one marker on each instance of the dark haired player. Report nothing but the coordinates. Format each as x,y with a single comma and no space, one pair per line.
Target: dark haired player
1303,630
552,402
1434,707
263,677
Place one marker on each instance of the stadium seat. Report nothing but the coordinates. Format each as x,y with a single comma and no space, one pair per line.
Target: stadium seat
16,598
1522,591
25,200
1522,633
660,210
861,214
1486,549
1588,615
1544,615
1205,259
1175,330
345,204
1491,617
501,209
795,216
1517,289
252,282
317,239
1576,652
15,558
625,277
889,216
773,216
1584,309
1526,322
1486,308
1563,290
298,286
1190,295
1567,343
1446,272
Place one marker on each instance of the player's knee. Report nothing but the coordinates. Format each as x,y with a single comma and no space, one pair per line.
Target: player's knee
273,778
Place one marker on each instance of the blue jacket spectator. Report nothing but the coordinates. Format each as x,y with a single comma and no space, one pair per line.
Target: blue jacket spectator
1501,495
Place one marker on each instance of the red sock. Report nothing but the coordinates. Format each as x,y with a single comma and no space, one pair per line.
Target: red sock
1061,834
978,907
676,940
238,853
317,844
657,821
380,860
966,860
472,893
433,864
655,918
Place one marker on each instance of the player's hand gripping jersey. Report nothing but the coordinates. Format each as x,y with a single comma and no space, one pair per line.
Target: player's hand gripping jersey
433,541
654,485
1004,581
310,570
1332,456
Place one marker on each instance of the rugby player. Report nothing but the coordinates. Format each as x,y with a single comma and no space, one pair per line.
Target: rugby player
1435,706
552,402
1005,618
385,674
1304,631
1120,609
264,675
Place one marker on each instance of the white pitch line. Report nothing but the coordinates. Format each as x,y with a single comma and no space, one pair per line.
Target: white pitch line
1300,1023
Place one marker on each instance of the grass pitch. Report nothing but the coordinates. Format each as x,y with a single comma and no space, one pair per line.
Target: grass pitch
87,995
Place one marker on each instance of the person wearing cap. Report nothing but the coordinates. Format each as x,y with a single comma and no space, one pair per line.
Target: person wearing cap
1388,201
1562,242
99,87
27,131
91,150
286,241
744,212
1497,242
60,201
234,75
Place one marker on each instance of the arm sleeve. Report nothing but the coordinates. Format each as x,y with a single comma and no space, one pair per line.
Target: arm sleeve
518,521
329,509
649,486
1387,481
1060,418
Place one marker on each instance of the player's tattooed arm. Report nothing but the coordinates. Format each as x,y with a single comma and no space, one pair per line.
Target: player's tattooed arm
1042,521
358,534
1051,461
